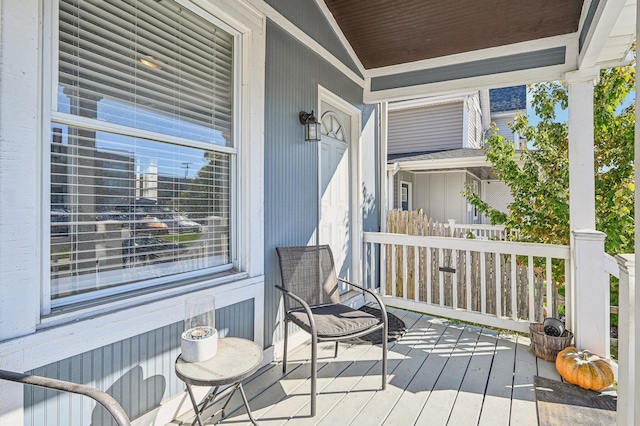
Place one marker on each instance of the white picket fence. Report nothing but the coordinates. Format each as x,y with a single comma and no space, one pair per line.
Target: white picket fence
495,283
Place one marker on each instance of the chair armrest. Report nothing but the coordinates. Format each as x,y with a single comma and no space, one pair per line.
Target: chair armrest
305,306
372,293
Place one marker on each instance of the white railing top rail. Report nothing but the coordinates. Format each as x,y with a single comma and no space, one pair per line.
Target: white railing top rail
611,265
505,247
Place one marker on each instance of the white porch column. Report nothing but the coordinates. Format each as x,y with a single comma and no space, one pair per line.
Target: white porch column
589,282
590,292
582,207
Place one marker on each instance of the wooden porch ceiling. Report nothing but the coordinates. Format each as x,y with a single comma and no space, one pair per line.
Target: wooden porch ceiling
392,32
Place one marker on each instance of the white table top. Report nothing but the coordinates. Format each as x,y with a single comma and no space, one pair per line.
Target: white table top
235,360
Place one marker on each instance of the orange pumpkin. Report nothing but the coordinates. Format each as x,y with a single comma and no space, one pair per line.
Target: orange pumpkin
584,369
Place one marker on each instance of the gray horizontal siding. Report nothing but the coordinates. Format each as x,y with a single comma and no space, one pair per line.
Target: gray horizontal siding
503,127
431,128
138,372
509,63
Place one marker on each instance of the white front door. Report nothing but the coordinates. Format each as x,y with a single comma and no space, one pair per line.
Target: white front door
335,174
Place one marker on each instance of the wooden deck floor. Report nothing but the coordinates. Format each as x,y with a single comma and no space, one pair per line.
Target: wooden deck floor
439,374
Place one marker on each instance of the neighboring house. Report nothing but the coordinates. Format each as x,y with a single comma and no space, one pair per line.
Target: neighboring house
120,117
434,151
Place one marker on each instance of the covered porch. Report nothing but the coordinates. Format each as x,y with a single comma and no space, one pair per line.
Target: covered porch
440,373
303,55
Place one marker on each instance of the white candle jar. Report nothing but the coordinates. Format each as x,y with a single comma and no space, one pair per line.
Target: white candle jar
200,337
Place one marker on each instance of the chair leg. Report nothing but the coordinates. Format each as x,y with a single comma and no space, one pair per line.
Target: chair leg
286,340
335,354
314,373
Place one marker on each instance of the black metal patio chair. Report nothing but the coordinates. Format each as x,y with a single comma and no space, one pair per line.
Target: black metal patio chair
312,302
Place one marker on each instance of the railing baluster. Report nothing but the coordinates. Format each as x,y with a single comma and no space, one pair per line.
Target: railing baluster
383,269
468,277
405,272
551,312
393,271
428,278
514,287
532,286
483,282
497,277
372,260
416,273
454,281
441,277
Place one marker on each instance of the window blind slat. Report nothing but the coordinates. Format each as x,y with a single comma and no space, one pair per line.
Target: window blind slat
193,83
115,38
93,72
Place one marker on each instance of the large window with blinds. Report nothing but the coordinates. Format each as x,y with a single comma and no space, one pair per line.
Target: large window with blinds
143,150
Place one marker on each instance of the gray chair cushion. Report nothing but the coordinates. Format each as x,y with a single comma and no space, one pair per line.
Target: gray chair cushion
334,320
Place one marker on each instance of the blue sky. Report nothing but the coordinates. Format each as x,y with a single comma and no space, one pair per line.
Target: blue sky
563,115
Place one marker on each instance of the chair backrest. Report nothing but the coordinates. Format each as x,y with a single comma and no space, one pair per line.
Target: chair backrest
309,273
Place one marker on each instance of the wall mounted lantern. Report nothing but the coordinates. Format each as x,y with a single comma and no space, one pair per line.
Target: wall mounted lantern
311,126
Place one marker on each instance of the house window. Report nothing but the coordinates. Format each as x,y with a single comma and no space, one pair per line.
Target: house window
143,148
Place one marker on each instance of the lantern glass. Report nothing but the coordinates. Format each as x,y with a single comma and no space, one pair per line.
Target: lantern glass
312,131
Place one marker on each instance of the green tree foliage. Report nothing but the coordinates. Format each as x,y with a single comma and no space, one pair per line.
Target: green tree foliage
539,181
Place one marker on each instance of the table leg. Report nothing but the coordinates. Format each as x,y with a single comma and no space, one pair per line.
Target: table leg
246,404
229,399
195,405
205,403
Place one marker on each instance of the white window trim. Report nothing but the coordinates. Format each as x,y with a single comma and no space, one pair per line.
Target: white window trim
248,29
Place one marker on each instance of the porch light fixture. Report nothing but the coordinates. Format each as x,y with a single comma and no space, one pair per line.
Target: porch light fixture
311,126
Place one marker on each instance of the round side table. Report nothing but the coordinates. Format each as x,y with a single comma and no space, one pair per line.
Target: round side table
235,360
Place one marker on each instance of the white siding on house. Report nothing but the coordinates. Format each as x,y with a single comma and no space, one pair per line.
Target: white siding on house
503,126
430,128
473,216
497,194
439,195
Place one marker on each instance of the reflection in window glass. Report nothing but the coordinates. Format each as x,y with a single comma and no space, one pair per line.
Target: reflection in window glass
130,212
126,209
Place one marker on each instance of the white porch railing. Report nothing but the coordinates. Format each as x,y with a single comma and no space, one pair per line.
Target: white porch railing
495,283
